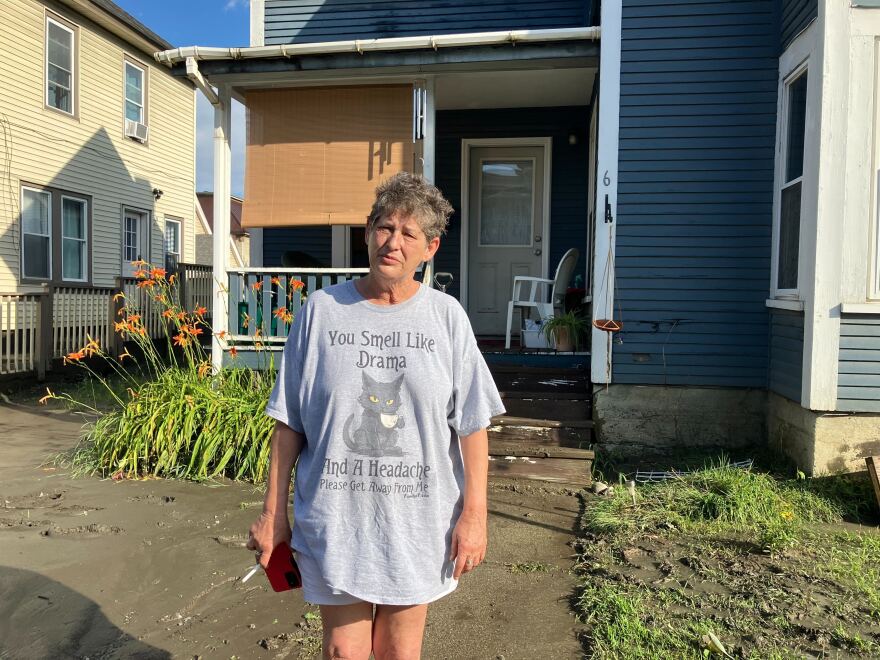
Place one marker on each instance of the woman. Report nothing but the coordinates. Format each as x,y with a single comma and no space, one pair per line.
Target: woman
384,398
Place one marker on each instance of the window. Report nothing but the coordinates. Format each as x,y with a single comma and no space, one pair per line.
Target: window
134,93
791,177
54,230
131,234
74,240
60,60
36,237
172,239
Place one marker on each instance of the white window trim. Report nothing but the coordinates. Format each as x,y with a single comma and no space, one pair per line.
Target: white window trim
143,235
39,191
779,179
84,241
73,90
143,105
179,224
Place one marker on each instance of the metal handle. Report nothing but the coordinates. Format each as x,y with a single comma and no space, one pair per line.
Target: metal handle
538,252
538,238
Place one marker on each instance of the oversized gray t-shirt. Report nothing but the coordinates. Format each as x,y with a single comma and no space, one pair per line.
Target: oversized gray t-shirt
382,394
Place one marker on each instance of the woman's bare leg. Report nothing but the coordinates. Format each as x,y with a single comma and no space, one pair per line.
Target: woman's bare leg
398,631
347,631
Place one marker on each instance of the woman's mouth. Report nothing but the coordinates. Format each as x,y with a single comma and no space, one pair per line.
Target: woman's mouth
386,259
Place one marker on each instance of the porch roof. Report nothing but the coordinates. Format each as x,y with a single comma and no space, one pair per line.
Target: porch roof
567,47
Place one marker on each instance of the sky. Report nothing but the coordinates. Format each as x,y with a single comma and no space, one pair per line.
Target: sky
204,23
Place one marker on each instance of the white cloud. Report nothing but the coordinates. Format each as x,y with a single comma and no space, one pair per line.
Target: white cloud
205,146
234,4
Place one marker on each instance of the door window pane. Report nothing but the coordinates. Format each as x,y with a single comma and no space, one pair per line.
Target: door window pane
59,66
35,241
130,249
797,115
74,245
134,93
506,202
789,236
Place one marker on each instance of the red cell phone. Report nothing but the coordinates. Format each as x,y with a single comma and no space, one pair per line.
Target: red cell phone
282,571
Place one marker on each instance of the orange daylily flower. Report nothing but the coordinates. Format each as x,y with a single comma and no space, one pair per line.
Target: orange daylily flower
222,334
171,278
120,326
143,284
233,352
257,286
284,314
296,285
74,357
181,316
158,273
276,280
192,330
204,368
168,313
180,339
140,274
139,262
91,348
200,311
161,299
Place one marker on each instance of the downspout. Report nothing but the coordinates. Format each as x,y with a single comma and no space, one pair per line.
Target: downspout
193,73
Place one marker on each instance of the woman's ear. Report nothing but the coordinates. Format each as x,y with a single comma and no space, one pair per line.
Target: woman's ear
431,249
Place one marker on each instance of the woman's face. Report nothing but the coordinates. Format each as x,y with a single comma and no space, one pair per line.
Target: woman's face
397,245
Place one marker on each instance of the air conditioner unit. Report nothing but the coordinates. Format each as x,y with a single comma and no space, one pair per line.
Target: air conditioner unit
136,130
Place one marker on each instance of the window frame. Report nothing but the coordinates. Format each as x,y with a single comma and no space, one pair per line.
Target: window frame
179,223
56,236
780,184
85,240
128,60
73,29
49,220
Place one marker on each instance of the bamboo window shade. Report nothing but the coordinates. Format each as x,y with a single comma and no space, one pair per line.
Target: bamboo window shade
315,155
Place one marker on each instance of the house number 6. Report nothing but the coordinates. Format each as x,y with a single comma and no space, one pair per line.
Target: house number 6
605,179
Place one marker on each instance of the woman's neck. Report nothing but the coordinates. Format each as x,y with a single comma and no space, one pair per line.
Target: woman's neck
383,292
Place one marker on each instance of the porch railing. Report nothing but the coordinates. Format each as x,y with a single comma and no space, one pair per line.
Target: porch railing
19,327
37,328
260,299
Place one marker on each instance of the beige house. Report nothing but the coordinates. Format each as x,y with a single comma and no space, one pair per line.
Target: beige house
97,147
239,239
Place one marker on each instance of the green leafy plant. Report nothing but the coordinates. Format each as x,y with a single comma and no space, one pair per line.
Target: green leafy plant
565,331
171,413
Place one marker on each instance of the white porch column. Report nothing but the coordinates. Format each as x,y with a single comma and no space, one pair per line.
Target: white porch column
222,191
429,142
606,186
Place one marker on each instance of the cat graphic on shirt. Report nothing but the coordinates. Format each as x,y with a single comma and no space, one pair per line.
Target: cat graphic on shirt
377,434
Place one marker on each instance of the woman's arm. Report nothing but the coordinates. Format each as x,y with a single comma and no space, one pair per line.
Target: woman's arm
273,525
469,538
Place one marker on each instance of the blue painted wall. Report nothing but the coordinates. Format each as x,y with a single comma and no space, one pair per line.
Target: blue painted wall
695,191
796,15
303,21
786,353
858,380
568,200
315,241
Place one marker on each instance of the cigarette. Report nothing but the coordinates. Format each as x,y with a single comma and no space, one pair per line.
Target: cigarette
251,573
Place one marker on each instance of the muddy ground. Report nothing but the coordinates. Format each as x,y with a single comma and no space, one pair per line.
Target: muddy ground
150,569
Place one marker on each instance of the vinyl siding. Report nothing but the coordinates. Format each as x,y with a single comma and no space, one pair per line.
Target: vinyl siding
303,21
695,191
858,379
796,15
568,196
314,241
786,353
89,155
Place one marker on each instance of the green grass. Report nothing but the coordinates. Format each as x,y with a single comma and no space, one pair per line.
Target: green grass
750,537
530,567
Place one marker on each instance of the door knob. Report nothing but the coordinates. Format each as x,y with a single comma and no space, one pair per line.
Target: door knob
537,238
538,252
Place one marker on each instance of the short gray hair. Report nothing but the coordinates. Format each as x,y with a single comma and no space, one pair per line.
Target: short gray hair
411,194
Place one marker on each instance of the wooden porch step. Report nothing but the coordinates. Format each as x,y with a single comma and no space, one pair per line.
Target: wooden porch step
568,407
531,422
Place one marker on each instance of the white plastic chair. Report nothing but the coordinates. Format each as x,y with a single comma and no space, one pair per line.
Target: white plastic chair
539,300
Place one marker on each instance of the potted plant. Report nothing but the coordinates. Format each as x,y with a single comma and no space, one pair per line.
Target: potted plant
564,331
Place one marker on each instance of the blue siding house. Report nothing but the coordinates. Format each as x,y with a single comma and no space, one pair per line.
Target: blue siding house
715,164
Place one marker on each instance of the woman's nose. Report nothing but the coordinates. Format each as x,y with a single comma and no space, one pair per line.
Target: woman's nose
394,240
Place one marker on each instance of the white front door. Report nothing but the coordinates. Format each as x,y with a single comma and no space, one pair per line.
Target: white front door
505,228
135,239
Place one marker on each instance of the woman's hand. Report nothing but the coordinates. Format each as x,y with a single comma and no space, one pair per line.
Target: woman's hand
468,542
266,533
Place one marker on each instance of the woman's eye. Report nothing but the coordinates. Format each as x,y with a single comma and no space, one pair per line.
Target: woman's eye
374,399
389,402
